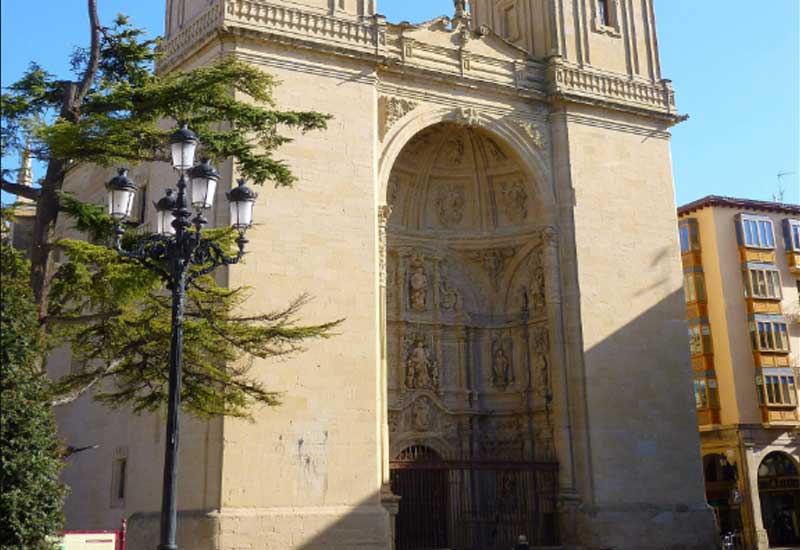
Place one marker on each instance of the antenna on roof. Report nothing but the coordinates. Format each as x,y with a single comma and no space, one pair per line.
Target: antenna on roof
780,195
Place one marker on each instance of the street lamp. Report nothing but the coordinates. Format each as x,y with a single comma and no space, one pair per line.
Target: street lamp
179,253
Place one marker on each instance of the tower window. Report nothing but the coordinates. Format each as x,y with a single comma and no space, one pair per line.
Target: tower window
604,12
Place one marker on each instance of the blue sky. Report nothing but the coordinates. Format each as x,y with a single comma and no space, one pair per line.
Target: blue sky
735,65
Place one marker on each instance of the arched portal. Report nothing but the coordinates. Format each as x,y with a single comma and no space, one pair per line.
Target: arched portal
779,492
467,337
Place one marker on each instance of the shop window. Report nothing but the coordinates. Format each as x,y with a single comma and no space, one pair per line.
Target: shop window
777,390
756,232
768,335
694,286
700,339
763,282
690,238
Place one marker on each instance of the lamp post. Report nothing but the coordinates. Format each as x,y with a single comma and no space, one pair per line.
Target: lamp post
179,253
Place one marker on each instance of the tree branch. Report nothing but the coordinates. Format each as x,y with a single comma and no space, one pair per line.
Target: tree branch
94,55
20,190
74,395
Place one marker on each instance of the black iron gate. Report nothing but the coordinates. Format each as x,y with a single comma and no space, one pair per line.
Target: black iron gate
475,505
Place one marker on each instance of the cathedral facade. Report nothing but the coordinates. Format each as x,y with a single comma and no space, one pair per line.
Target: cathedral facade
492,212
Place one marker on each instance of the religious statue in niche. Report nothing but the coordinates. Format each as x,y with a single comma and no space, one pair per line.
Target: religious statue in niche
537,283
515,200
541,350
502,374
421,371
418,287
450,205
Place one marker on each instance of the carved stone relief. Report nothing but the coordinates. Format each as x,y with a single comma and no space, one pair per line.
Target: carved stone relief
449,297
541,362
418,285
422,372
537,282
450,205
468,116
494,151
533,132
502,370
392,110
515,201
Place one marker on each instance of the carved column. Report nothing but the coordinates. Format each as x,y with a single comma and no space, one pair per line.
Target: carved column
389,500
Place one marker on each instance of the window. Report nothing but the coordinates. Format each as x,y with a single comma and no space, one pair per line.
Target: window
791,233
768,335
700,340
779,390
706,394
763,282
604,12
118,482
757,232
694,286
690,238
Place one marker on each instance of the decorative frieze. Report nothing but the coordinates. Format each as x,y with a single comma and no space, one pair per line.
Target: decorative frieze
393,109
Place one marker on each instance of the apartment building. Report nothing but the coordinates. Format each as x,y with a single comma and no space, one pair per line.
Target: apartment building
741,262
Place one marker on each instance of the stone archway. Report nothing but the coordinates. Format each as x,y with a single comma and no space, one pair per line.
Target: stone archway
779,493
467,331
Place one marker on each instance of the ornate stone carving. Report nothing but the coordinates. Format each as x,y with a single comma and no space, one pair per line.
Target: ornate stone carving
450,205
418,285
449,298
515,201
541,366
393,189
468,116
421,371
392,110
502,371
533,132
494,261
422,415
500,438
537,282
384,211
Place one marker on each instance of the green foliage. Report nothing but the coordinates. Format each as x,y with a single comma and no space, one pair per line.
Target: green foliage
228,104
30,456
117,317
115,313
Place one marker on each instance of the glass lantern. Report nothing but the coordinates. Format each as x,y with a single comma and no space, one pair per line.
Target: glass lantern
242,200
121,192
164,216
183,143
204,184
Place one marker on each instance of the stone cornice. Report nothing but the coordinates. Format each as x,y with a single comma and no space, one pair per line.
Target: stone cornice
477,60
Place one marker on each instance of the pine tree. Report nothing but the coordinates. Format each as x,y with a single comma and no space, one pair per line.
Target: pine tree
31,495
113,312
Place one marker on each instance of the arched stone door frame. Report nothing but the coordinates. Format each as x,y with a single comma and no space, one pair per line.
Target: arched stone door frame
769,489
516,132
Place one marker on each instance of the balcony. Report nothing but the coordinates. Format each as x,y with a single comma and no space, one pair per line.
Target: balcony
793,258
764,306
780,415
708,417
757,255
762,359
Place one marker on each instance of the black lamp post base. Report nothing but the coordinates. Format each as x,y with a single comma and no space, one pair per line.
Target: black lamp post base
167,547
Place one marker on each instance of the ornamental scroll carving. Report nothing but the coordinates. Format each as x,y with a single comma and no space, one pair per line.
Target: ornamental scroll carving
392,110
468,116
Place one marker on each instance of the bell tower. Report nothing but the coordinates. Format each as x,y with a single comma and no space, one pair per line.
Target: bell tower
609,35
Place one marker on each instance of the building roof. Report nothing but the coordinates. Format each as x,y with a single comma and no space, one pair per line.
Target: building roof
716,201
